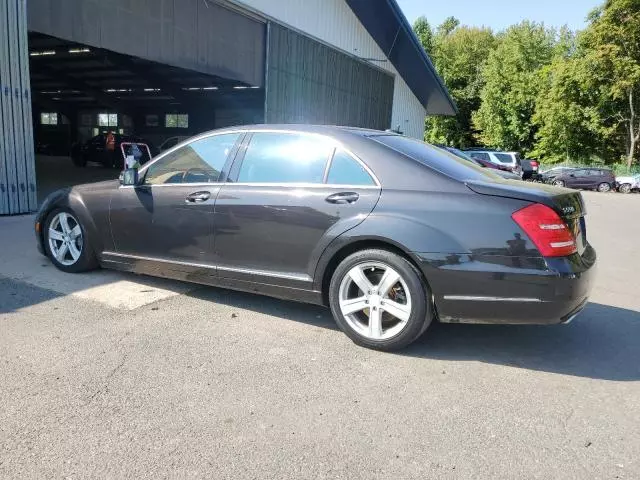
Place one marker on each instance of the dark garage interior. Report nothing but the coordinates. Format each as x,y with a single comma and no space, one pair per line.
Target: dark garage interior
80,92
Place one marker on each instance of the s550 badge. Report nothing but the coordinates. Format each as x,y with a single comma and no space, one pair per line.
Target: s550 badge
568,210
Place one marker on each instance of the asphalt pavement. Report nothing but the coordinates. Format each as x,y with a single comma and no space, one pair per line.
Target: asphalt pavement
117,376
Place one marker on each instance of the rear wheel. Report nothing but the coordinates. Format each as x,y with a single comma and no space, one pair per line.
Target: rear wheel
625,188
558,183
66,242
379,300
604,187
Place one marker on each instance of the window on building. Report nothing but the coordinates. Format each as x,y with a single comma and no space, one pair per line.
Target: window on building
176,120
346,170
49,118
108,119
285,158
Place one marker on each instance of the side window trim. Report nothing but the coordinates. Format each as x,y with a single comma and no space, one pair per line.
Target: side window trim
327,167
234,171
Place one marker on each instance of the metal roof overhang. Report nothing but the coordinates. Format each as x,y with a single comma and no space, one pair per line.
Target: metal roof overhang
388,26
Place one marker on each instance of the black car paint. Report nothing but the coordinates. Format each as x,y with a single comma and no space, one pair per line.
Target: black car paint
284,241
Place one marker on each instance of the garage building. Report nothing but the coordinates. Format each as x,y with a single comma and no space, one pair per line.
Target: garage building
75,69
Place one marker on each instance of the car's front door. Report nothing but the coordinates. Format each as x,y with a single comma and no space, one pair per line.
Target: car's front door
292,194
576,178
169,215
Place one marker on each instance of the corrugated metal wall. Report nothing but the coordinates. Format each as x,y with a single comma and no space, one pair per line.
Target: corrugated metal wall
17,162
310,82
333,22
192,34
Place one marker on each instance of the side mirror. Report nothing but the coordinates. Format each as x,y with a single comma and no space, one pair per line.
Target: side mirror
572,175
129,177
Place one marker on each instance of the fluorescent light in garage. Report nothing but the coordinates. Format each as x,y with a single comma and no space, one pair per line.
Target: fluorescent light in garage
42,53
79,50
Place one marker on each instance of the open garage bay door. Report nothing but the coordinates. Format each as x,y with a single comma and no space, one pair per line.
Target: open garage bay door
310,82
17,167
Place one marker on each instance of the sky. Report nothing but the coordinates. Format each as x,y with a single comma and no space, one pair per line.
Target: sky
499,14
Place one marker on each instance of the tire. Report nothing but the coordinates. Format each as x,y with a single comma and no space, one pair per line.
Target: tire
625,188
604,187
75,240
559,183
408,298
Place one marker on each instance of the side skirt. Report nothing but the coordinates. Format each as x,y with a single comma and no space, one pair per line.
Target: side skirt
208,275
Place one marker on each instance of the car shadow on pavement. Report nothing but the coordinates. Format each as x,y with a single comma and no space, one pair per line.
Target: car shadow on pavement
285,309
601,343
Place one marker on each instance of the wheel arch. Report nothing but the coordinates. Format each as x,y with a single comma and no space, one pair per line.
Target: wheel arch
75,205
330,262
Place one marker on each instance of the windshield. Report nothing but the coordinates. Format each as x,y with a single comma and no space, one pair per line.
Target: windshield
436,158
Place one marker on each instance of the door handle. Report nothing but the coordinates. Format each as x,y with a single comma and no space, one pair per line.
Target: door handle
198,197
343,198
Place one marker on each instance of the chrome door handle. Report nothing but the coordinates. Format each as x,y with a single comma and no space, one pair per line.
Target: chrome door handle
343,198
198,197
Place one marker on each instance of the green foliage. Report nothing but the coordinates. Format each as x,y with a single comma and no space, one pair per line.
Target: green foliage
557,95
424,33
504,118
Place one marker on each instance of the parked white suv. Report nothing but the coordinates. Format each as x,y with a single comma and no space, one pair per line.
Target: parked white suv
511,160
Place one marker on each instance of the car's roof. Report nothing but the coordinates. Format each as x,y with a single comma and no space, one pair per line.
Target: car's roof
321,129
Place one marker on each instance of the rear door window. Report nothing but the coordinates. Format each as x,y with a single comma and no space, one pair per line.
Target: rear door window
346,170
274,157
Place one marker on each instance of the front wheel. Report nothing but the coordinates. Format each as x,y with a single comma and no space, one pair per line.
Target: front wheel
604,187
66,244
379,300
625,188
559,183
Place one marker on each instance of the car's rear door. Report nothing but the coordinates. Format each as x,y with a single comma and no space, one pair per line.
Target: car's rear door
289,194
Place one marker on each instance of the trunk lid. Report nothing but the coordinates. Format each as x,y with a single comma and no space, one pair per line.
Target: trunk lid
566,203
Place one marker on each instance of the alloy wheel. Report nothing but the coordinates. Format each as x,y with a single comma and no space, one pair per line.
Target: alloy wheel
604,187
558,183
375,300
626,188
65,238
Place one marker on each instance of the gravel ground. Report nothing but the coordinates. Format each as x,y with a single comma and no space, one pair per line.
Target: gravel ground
216,384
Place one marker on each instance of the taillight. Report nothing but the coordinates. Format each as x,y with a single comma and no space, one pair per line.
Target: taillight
546,230
534,164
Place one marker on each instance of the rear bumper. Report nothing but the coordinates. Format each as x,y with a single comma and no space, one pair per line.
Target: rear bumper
507,290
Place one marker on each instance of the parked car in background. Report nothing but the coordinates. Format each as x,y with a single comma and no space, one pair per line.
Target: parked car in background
494,168
389,232
95,150
547,176
628,184
529,167
507,160
172,142
600,179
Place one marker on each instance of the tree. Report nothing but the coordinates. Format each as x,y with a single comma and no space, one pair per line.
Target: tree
460,57
424,33
611,45
512,83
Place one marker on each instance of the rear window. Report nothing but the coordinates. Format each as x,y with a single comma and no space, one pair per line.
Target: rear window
440,160
504,158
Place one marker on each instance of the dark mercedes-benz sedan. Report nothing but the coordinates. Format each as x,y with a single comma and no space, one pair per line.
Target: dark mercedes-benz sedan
389,232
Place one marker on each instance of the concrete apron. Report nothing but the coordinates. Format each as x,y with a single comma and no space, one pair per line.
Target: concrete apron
20,260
